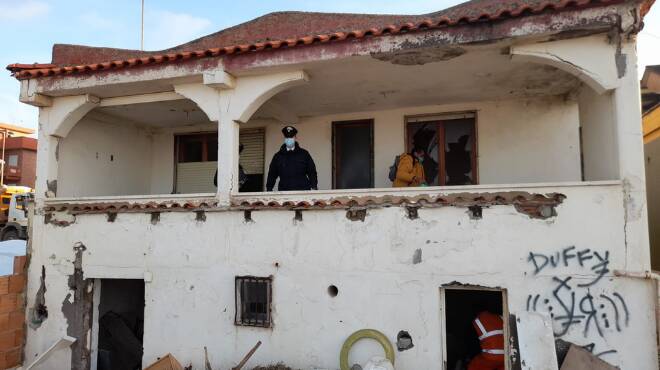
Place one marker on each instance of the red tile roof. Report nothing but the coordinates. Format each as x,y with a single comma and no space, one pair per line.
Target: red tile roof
292,29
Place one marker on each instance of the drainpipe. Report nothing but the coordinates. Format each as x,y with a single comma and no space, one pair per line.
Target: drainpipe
647,275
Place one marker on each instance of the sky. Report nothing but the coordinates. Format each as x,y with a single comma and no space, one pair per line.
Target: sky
29,28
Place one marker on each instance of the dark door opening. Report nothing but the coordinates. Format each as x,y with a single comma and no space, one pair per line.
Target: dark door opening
121,324
462,307
353,154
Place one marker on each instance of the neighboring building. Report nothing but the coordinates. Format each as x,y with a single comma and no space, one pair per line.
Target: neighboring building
20,155
651,129
533,106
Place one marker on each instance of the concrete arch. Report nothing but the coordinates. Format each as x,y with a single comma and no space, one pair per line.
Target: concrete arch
252,92
596,62
67,111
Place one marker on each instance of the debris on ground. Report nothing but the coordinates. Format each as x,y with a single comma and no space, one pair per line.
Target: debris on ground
279,366
168,362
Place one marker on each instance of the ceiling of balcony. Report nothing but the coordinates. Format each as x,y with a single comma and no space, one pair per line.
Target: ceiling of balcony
382,82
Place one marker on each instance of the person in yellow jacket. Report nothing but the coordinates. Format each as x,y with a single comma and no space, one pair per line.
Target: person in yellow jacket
410,171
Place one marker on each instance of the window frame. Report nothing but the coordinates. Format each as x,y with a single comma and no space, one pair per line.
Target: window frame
240,312
443,119
205,144
335,155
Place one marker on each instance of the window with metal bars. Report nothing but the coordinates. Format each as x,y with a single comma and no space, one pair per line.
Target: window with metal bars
253,298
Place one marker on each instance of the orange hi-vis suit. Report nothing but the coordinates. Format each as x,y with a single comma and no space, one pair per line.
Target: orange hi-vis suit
489,329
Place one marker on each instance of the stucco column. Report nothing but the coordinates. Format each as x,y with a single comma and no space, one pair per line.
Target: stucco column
47,164
627,113
228,136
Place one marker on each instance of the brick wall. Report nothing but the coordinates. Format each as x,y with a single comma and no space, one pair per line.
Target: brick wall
12,315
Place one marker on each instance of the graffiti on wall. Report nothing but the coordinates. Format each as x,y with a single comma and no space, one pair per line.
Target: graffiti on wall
572,304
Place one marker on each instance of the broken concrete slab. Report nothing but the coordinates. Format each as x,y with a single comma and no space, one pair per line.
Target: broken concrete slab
579,358
168,362
535,338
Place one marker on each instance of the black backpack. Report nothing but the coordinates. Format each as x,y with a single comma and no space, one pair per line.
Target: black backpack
394,168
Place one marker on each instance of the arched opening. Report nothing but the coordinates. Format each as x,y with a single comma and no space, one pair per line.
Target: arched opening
153,148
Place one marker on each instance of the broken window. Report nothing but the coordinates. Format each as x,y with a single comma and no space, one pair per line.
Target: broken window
253,298
353,154
462,307
197,161
450,144
120,324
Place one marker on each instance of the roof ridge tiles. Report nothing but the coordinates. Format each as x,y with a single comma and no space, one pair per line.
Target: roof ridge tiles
475,11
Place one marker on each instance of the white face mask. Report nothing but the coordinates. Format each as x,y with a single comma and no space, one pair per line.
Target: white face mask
289,142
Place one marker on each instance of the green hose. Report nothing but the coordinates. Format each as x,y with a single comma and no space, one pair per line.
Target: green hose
365,334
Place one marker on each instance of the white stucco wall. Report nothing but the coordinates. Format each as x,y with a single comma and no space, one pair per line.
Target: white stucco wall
519,141
599,144
190,300
104,157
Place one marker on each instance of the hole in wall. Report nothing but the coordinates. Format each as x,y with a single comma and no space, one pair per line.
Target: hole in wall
155,218
247,216
404,341
112,158
298,216
333,291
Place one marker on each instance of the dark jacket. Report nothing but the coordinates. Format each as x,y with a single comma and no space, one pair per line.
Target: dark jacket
295,168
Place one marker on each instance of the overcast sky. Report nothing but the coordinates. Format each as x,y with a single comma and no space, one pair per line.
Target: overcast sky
29,28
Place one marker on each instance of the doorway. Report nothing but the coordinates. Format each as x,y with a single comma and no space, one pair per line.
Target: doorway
353,154
120,324
462,306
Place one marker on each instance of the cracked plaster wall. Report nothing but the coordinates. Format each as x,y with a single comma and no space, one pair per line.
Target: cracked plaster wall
190,299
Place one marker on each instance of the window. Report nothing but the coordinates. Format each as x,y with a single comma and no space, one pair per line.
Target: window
353,154
196,162
253,298
12,160
451,147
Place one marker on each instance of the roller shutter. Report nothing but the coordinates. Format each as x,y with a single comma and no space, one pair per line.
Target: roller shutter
252,157
195,177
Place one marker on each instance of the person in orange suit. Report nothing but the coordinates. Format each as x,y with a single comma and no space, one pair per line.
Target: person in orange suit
489,328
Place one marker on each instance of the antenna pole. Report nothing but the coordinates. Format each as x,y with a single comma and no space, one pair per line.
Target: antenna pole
142,28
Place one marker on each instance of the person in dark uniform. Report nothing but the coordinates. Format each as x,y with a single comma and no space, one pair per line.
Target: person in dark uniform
293,165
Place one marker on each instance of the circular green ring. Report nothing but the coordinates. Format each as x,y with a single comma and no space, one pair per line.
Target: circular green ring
365,334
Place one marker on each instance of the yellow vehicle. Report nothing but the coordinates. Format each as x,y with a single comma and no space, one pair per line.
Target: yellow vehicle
13,212
7,192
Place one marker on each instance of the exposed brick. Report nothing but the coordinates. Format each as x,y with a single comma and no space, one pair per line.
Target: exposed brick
17,283
4,322
19,264
10,302
3,360
7,340
19,335
12,357
16,320
4,284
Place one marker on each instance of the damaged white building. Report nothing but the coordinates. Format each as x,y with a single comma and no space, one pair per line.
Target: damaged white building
547,223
